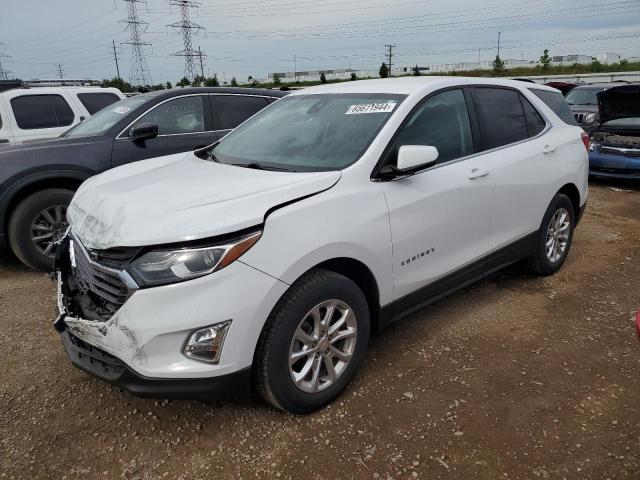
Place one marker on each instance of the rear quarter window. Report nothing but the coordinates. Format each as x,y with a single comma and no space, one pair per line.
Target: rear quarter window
556,102
96,101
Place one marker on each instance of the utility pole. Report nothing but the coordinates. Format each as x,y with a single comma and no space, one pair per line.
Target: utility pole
201,65
499,33
186,28
295,69
60,71
139,73
390,56
115,55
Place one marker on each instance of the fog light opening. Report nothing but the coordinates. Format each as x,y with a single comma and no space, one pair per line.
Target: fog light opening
205,345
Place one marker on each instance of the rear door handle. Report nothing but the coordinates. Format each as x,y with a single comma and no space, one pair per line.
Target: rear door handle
4,140
477,173
549,149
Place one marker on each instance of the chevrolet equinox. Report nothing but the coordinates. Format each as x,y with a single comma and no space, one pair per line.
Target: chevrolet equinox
267,259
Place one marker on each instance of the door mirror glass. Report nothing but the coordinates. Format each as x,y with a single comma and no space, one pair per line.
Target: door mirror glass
143,131
416,157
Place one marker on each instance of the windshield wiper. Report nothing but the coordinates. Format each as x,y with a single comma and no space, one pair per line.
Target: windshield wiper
260,166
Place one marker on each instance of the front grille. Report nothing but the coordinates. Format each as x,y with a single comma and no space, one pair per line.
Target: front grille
100,275
579,117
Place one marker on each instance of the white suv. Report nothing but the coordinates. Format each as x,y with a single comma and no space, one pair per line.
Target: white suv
47,112
270,257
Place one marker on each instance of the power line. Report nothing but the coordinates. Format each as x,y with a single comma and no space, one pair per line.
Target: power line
139,73
187,28
390,56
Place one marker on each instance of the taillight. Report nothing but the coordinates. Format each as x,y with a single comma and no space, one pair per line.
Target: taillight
585,140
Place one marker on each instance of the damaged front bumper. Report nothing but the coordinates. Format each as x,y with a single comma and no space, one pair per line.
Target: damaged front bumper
140,347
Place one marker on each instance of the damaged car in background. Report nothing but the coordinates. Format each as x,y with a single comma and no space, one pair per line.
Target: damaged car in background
614,149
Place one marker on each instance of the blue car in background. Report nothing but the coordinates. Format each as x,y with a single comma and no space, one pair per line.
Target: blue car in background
614,149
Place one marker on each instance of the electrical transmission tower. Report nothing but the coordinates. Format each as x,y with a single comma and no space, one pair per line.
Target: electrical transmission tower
139,73
187,28
4,74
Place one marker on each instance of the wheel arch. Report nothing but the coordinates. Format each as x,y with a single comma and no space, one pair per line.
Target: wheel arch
20,190
362,276
571,191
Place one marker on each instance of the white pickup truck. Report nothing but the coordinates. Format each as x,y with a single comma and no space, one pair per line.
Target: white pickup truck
46,112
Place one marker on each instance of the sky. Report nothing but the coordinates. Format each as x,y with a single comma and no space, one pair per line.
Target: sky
241,38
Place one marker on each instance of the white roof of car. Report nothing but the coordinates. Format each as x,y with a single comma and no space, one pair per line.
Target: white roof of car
409,85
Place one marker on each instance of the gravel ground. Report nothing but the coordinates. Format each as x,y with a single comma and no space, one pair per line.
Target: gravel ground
514,377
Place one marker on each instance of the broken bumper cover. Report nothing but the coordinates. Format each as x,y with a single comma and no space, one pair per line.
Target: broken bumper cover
105,366
141,346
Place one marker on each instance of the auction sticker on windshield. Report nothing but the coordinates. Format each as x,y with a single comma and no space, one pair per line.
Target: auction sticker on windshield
370,108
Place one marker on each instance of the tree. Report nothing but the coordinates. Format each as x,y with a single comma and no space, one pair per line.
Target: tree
234,82
545,60
354,76
276,79
198,80
596,66
117,82
384,71
323,79
169,86
212,81
498,66
416,71
184,82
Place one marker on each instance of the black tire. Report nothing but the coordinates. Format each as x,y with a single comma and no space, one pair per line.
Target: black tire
540,262
273,378
20,238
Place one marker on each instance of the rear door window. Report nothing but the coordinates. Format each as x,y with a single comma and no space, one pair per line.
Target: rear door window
232,110
96,101
556,102
41,111
501,116
63,111
535,122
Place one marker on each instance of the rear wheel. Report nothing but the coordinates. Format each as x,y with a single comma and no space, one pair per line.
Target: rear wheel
36,224
554,237
313,342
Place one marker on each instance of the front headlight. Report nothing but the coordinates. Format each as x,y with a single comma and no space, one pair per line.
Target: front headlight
590,118
163,266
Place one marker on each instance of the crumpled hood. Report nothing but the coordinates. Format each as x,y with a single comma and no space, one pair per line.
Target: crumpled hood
179,198
619,102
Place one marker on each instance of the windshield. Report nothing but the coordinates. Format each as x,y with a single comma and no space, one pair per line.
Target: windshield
308,132
584,96
103,120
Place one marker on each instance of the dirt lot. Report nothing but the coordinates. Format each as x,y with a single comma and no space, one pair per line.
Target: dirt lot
515,377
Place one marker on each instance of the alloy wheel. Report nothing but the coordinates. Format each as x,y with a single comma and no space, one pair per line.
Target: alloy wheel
322,346
47,228
558,235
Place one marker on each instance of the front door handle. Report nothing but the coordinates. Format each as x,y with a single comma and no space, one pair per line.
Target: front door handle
477,173
549,149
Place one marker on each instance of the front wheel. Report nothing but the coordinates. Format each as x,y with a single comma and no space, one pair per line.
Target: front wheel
36,224
313,342
554,237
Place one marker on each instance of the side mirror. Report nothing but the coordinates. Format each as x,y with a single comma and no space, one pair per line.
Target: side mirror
416,157
143,131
